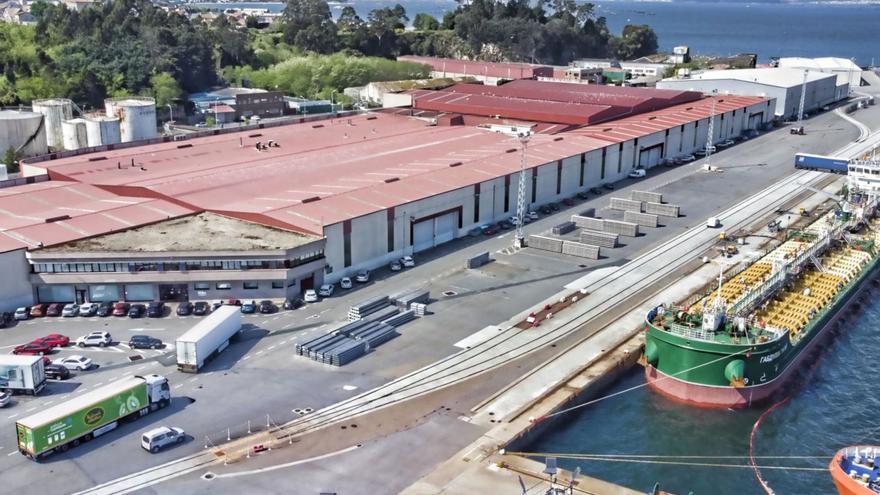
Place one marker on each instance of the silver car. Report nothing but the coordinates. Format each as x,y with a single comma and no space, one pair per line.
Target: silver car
157,438
70,310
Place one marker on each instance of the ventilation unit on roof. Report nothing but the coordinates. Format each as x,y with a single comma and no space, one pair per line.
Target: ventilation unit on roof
393,179
511,150
58,218
181,146
455,164
608,129
652,118
372,117
558,139
317,126
311,200
259,134
97,158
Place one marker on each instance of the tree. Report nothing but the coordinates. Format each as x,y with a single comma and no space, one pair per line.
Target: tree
426,22
349,21
309,26
10,159
635,41
165,89
251,22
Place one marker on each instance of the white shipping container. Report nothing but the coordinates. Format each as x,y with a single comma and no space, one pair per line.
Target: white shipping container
207,338
22,373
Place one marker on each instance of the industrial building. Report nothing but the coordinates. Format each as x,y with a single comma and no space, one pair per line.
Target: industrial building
782,84
326,199
487,72
848,73
24,132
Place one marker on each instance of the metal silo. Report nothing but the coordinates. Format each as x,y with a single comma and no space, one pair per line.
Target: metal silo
137,117
55,111
101,129
74,133
23,132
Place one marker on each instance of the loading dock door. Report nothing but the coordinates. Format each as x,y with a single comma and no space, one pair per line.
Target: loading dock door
650,157
423,235
445,227
434,231
755,120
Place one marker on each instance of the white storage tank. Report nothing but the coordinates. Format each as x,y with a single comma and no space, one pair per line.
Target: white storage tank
137,117
55,111
74,132
101,129
23,132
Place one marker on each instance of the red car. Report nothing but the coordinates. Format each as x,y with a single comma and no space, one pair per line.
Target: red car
53,339
38,310
54,309
33,349
46,361
121,308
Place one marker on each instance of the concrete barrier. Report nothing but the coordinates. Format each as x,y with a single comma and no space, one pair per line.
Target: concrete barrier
589,212
643,219
563,228
662,210
625,204
545,243
646,196
627,229
478,260
580,249
588,222
601,239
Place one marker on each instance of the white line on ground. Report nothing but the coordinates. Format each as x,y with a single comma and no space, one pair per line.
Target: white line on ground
178,385
140,367
31,409
11,454
12,416
97,385
245,358
264,322
260,352
289,464
271,347
48,402
192,379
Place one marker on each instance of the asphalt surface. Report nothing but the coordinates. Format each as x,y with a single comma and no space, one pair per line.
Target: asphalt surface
259,380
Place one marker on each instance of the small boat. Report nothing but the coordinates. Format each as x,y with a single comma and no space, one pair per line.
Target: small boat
856,470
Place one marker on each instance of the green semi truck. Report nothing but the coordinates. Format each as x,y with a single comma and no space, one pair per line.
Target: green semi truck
90,415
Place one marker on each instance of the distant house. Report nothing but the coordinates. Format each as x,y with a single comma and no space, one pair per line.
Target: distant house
78,5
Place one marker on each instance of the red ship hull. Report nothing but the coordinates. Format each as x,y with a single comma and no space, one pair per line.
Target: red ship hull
846,485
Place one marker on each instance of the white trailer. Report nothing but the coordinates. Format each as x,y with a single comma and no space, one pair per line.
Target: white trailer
208,338
22,373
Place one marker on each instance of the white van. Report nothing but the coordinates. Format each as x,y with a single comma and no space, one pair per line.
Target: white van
157,438
713,223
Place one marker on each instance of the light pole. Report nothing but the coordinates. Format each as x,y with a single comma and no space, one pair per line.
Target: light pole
710,138
216,102
519,240
170,113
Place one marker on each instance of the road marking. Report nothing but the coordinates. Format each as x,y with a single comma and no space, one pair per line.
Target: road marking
115,349
289,464
31,409
260,352
140,367
264,322
11,454
10,417
97,385
49,402
178,385
271,347
193,379
245,358
125,345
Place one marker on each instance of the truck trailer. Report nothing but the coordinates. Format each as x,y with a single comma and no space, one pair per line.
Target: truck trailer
207,338
90,415
832,164
22,374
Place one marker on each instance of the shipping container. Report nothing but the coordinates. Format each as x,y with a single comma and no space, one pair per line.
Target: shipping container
833,164
207,338
22,373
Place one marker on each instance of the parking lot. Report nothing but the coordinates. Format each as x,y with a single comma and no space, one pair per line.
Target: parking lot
258,380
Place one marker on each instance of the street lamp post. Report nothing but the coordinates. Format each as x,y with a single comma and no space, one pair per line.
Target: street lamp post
170,113
519,240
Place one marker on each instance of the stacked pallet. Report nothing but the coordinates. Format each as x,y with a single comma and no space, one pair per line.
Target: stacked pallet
662,210
625,204
545,243
643,219
364,308
601,239
646,196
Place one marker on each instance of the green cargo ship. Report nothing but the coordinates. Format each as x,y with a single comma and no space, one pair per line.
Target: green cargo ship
739,344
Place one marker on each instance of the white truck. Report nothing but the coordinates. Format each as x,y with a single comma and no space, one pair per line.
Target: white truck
22,373
207,338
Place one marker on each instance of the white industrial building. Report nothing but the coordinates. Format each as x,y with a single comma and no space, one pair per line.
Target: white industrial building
782,84
849,75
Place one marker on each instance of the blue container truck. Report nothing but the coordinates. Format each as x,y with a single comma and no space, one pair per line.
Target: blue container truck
832,164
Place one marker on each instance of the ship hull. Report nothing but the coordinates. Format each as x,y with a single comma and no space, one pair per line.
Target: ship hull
765,374
844,483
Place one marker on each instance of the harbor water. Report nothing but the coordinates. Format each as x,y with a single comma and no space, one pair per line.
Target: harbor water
769,28
833,403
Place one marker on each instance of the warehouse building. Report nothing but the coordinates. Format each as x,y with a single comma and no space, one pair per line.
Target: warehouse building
782,84
849,75
492,73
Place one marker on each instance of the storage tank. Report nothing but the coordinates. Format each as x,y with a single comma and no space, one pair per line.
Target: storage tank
74,133
55,111
101,129
137,117
23,132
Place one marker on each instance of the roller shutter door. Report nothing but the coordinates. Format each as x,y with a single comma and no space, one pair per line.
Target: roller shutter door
139,292
423,235
650,157
445,228
755,120
56,293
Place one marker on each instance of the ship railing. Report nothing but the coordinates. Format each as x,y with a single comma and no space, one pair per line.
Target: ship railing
696,333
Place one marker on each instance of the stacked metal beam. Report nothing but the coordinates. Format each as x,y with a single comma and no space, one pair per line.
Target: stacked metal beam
364,308
545,243
584,222
563,228
580,249
646,196
332,348
643,219
402,317
405,300
625,204
601,239
374,334
662,210
626,229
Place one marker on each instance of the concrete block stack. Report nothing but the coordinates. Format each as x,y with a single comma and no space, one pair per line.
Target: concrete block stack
646,196
662,210
545,243
601,239
625,204
583,222
626,229
642,219
580,249
564,228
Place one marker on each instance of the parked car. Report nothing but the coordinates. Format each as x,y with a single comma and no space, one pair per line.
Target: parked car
608,186
490,230
249,308
145,342
568,201
69,310
687,158
408,261
54,340
121,308
637,173
310,296
292,303
475,232
98,338
726,143
33,349
527,219
345,283
595,190
545,209
555,206
5,398
88,309
104,309
75,362
363,276
534,215
136,311
6,319
513,220
326,290
21,313
38,310
505,225
184,309
232,302
56,372
395,266
158,438
200,308
54,309
267,307
156,309
583,195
